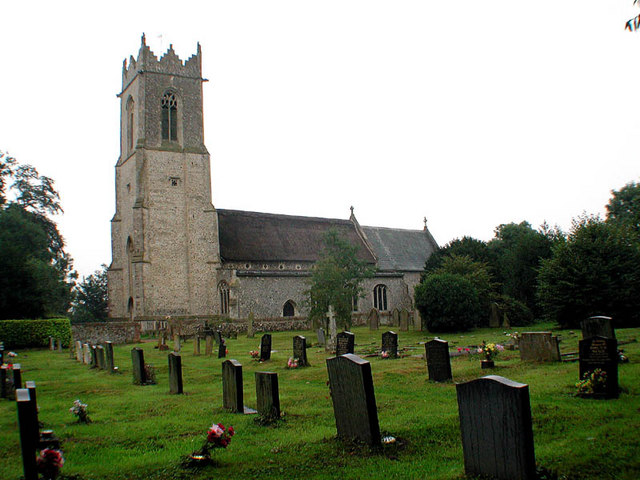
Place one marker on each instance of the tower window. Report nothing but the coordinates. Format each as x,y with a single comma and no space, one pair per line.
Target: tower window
130,130
174,181
223,288
380,297
289,309
170,117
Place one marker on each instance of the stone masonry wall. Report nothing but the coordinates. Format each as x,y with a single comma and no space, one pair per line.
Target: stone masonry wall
98,332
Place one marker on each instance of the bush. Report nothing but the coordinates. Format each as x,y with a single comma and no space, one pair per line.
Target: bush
448,302
517,312
34,333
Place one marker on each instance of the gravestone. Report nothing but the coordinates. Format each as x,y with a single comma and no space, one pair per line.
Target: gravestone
1,353
390,344
602,353
333,331
175,373
438,360
496,428
267,395
78,351
354,402
597,327
31,386
94,357
52,343
217,337
196,345
137,360
4,391
250,331
321,338
176,343
539,347
28,426
100,357
16,373
232,395
162,340
404,320
59,343
417,321
395,317
208,346
374,319
86,354
222,349
265,347
108,354
494,316
345,343
300,350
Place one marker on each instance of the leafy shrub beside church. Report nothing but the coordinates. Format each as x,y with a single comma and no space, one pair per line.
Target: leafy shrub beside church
34,333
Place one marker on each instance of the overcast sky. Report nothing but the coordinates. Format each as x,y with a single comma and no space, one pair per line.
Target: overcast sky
469,113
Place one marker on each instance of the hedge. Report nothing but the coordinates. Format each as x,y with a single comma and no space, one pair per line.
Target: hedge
34,333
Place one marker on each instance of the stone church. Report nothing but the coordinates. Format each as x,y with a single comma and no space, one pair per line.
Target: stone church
175,254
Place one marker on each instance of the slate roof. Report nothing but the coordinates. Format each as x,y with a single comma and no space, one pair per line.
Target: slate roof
266,237
400,250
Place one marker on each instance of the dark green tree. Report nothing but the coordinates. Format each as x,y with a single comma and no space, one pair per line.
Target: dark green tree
336,280
624,206
90,298
595,272
476,250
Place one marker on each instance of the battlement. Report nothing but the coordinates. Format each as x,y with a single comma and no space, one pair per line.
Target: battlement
169,63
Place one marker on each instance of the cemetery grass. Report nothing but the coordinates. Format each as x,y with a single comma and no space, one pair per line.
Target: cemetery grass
143,432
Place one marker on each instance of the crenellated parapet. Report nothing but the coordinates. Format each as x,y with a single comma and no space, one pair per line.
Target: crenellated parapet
169,63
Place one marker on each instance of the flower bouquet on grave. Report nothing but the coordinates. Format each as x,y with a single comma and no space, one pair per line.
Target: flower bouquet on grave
489,351
292,363
592,382
79,409
49,463
384,354
255,354
217,437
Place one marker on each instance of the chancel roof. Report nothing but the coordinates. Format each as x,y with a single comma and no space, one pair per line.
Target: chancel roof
267,237
400,250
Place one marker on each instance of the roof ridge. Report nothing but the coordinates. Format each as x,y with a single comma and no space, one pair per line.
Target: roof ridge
281,215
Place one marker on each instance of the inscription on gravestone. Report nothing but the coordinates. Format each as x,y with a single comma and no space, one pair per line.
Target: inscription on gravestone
600,353
345,343
438,360
265,347
353,398
267,395
390,344
300,350
496,428
597,327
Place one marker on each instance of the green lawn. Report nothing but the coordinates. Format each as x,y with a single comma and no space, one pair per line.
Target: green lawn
143,432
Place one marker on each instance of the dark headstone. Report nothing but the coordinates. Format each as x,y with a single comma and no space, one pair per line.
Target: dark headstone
175,373
217,337
100,357
321,337
265,347
597,327
28,425
94,357
539,347
374,319
17,376
602,353
354,402
108,357
232,396
390,343
267,395
4,391
438,360
300,350
137,360
497,434
31,386
345,343
222,349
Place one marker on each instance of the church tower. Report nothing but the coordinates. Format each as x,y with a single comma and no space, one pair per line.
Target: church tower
164,234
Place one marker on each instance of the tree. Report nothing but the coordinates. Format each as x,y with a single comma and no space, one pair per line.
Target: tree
595,272
90,298
624,206
35,272
476,250
336,280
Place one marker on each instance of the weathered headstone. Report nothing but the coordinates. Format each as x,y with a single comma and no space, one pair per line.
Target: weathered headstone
196,345
345,343
321,338
222,349
496,428
208,347
250,331
59,343
390,344
354,402
28,426
137,360
162,340
86,354
78,351
438,360
600,353
176,343
395,317
108,354
52,343
417,321
494,316
232,394
267,395
539,347
333,331
374,319
94,357
404,320
4,391
265,347
597,327
100,361
175,373
300,350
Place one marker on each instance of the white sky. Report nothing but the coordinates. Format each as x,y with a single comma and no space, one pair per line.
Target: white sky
471,113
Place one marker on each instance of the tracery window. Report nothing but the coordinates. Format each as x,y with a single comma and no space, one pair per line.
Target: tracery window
289,309
223,288
170,117
380,297
130,130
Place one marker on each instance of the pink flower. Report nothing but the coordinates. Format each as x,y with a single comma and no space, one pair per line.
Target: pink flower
459,349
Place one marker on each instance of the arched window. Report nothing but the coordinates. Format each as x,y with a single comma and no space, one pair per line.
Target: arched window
130,265
130,308
170,117
380,297
130,130
223,288
289,309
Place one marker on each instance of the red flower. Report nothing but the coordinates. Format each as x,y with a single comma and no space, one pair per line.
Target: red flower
231,431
